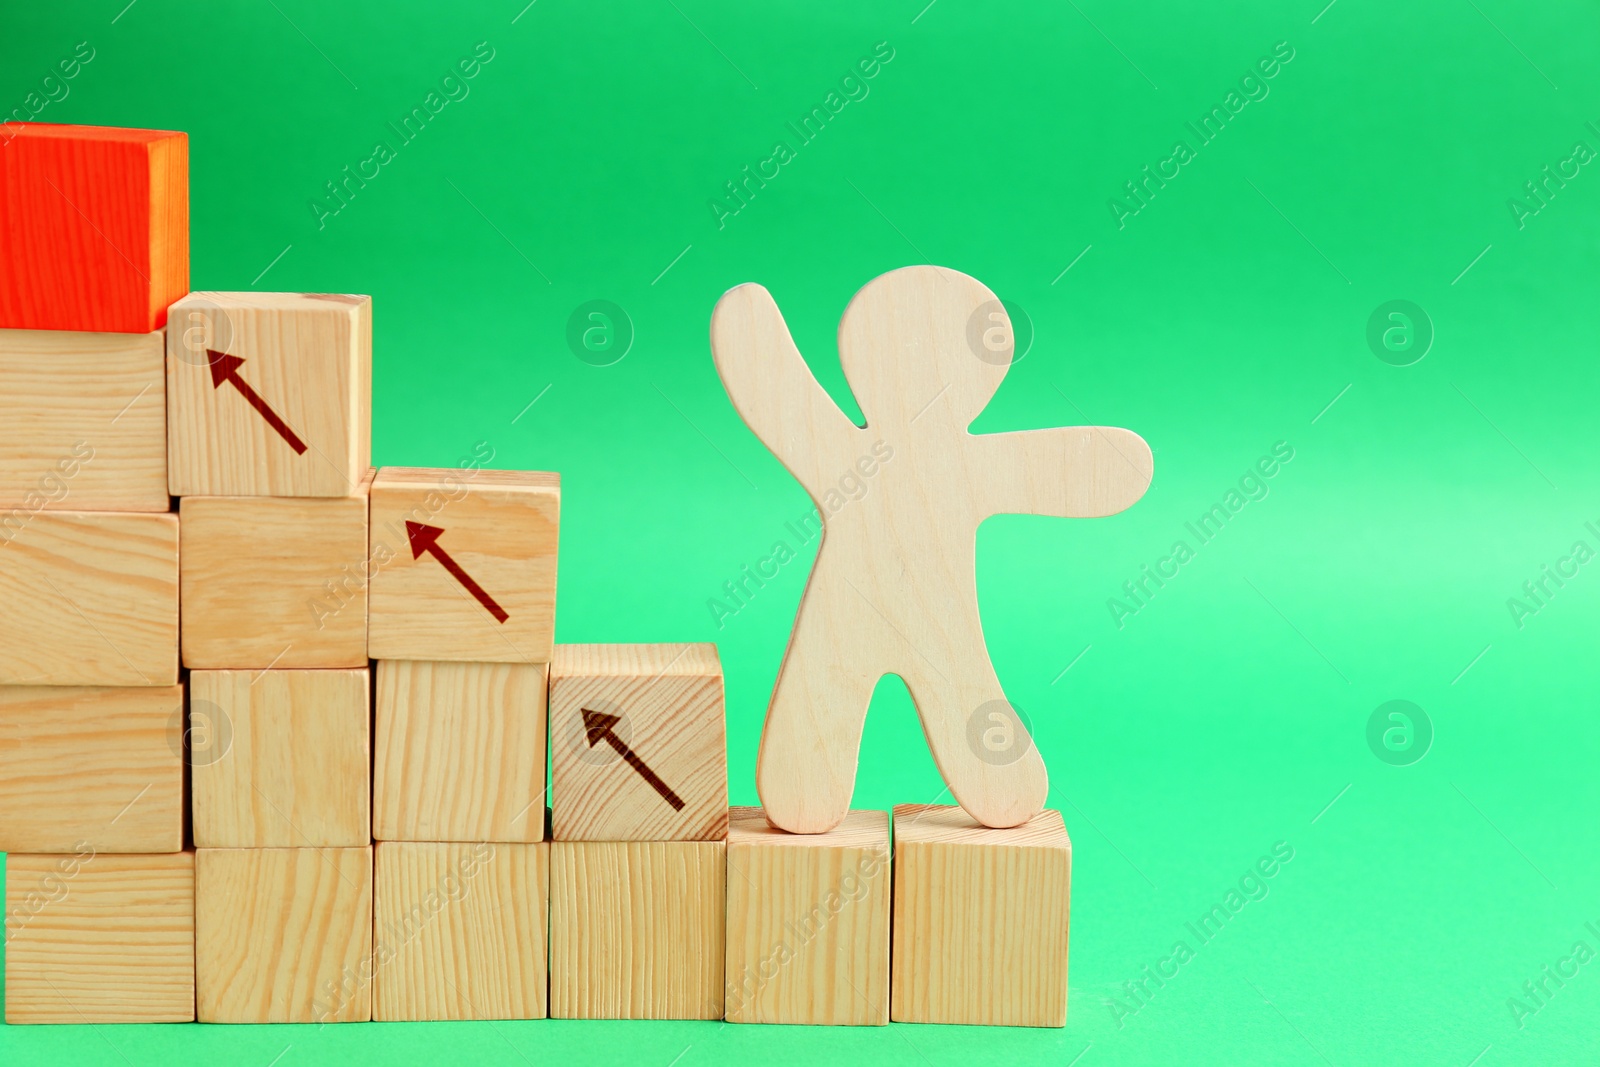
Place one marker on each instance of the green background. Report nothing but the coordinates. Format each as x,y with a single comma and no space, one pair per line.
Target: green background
1230,713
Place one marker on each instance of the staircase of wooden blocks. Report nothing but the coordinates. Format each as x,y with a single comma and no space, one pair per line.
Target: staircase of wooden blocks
322,797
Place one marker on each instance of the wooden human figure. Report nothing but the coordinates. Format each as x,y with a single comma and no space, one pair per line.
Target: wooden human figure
894,585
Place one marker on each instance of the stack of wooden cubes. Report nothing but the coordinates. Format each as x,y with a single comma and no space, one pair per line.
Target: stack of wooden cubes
100,892
638,872
269,401
463,621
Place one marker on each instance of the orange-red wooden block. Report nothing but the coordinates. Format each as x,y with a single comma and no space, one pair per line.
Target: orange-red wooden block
94,227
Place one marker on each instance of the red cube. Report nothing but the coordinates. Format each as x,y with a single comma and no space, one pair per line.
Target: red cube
94,227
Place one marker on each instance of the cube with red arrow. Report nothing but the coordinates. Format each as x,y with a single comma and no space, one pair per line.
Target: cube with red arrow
638,743
269,394
463,565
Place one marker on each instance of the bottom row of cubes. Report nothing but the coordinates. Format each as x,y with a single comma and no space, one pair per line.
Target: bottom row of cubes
765,927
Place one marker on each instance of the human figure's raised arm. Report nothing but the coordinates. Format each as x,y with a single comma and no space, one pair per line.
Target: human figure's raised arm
772,388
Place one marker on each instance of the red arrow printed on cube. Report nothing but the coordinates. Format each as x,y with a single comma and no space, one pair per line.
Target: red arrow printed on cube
597,726
225,368
426,539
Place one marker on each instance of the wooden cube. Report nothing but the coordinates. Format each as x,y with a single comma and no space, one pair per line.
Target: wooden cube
274,581
462,931
464,564
637,929
281,758
269,394
460,753
83,421
808,922
90,598
95,938
96,227
638,743
980,919
91,768
283,935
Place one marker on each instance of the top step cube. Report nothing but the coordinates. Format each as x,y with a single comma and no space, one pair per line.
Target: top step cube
94,227
269,394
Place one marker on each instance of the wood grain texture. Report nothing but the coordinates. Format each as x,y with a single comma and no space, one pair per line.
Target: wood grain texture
501,528
808,922
463,931
94,227
308,356
460,751
283,935
636,929
91,766
281,758
99,938
89,598
900,499
980,919
83,421
669,704
275,581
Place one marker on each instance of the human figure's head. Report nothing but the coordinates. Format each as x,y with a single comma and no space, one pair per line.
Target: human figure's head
940,316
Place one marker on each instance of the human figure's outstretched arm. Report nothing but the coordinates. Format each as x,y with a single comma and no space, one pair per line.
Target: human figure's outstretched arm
1066,471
